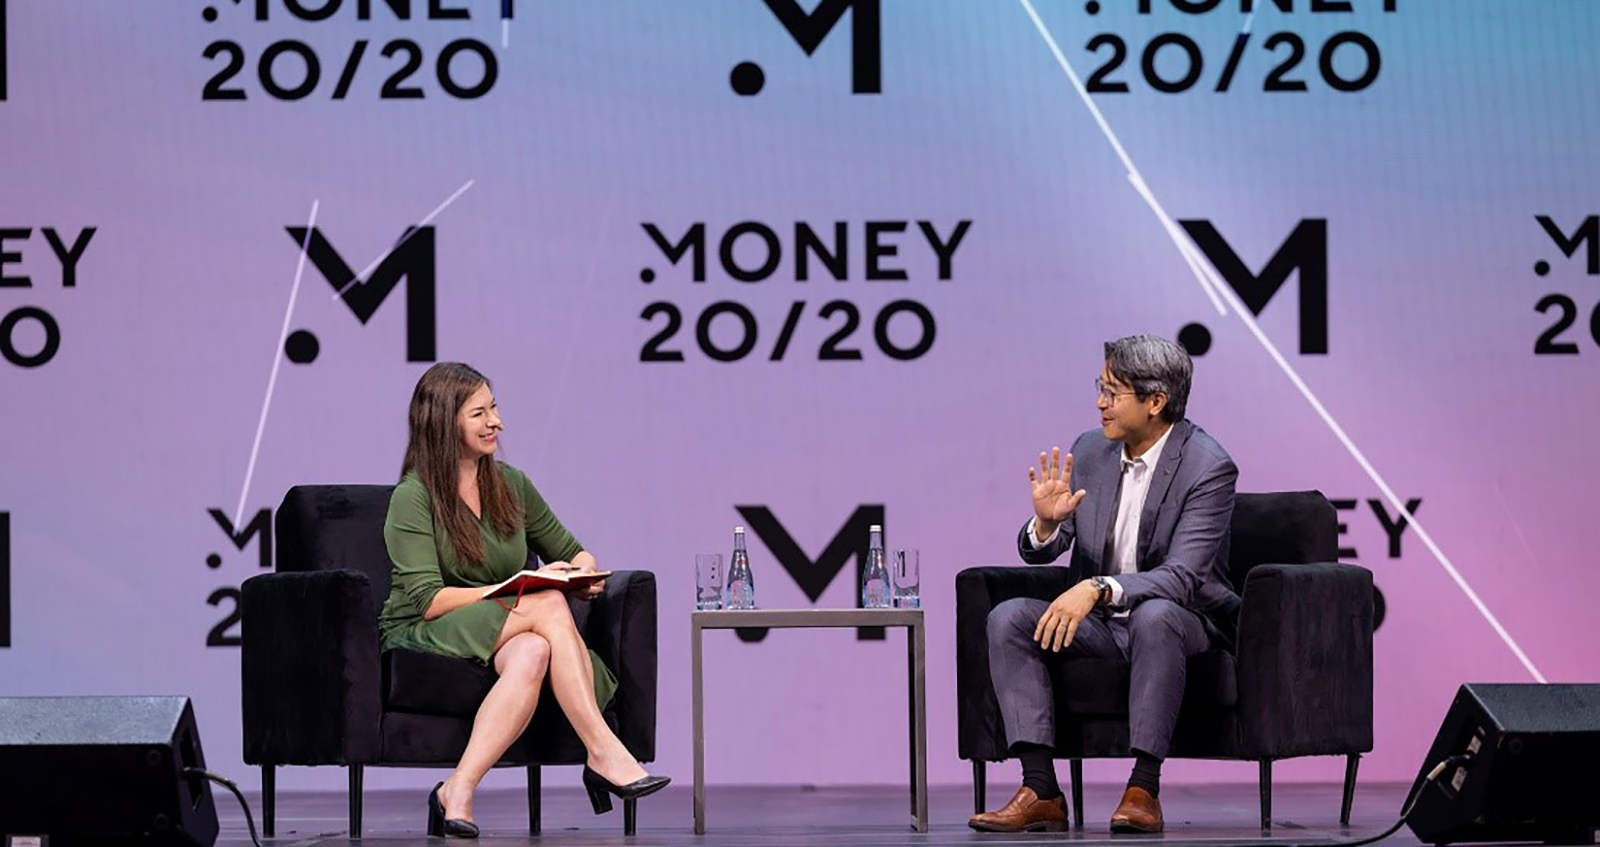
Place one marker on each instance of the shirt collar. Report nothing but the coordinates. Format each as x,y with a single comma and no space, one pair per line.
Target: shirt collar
1150,456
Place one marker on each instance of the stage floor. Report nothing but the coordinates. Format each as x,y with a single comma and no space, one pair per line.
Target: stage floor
876,816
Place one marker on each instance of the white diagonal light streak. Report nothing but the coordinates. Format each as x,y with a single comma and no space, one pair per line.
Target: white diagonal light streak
412,231
1116,145
277,359
283,334
1210,280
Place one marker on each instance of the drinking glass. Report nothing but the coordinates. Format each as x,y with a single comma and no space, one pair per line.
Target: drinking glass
905,575
708,581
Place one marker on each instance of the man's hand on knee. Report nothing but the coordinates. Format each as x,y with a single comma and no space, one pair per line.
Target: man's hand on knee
1060,620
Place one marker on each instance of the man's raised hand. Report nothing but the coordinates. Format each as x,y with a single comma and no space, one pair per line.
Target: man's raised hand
1053,497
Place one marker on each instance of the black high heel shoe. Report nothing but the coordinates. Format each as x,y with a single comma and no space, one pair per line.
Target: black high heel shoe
600,789
440,826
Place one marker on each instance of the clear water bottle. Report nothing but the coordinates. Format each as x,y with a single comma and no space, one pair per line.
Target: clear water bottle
875,576
741,584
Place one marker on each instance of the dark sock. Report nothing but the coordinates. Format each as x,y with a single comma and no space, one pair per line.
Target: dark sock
1038,769
1146,773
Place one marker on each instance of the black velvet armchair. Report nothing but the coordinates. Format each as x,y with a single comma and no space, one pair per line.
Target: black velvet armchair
1297,681
318,692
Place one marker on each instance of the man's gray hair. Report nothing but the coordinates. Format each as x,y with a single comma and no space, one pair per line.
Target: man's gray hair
1151,365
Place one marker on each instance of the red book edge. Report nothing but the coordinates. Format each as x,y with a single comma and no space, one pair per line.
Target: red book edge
526,581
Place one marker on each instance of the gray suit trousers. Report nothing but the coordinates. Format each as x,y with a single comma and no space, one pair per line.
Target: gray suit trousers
1157,638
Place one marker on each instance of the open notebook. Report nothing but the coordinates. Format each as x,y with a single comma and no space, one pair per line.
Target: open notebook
523,582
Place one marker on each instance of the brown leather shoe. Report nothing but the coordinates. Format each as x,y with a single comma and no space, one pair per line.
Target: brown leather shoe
1025,813
1138,812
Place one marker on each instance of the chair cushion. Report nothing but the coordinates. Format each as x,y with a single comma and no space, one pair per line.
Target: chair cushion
432,684
1100,686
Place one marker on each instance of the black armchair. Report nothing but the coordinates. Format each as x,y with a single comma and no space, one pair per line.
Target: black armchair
1297,682
318,692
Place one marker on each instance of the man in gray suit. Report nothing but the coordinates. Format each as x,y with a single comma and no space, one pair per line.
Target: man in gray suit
1147,527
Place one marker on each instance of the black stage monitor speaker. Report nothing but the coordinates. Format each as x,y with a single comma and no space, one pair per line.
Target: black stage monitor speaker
103,770
1532,771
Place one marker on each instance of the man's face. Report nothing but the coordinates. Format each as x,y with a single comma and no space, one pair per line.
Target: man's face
1123,416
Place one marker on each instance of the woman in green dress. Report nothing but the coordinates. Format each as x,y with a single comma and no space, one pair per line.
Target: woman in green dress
459,521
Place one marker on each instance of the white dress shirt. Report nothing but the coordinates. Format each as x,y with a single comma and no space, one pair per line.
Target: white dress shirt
1136,476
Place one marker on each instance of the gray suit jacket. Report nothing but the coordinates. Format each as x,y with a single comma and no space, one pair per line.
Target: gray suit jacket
1183,530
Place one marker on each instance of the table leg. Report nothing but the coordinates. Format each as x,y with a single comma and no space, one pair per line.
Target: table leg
699,743
916,658
911,716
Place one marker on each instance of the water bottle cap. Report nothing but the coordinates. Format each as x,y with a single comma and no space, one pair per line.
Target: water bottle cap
874,528
738,530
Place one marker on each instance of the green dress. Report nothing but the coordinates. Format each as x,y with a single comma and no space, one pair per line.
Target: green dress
424,561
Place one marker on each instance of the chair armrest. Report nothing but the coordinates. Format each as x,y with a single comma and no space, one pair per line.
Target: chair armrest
1305,660
980,734
621,628
309,666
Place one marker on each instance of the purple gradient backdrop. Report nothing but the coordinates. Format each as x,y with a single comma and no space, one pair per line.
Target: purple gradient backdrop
610,114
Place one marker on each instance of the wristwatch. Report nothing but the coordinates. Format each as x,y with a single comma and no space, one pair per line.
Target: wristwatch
1102,585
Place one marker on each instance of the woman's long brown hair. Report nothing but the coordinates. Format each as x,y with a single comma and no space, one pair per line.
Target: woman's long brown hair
434,453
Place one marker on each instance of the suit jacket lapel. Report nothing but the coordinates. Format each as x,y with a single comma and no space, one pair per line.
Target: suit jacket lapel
1103,497
1166,469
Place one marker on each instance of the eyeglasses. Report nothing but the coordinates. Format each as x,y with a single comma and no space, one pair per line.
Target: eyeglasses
1107,394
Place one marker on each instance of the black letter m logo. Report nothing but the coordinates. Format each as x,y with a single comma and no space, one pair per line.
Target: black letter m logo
808,30
412,259
814,575
1305,251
